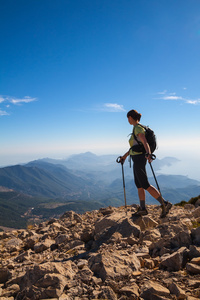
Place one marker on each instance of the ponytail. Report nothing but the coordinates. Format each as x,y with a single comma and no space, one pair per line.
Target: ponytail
134,114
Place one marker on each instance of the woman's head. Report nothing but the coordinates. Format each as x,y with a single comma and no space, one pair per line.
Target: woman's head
134,115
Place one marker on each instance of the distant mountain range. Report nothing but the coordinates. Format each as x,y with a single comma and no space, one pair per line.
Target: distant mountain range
48,187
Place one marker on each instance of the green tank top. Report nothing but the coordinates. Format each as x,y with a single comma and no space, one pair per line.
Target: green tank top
136,129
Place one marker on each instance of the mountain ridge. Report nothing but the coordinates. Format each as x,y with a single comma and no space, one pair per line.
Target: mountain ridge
79,190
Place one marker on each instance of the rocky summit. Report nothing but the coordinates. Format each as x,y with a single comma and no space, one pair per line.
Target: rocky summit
104,254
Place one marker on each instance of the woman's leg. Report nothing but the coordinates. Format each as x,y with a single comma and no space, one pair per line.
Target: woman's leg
155,194
153,191
140,177
141,194
166,206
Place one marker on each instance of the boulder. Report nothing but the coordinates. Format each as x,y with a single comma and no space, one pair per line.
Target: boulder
150,235
107,293
196,261
194,283
183,238
62,238
196,234
13,244
131,291
196,212
116,222
174,261
145,222
192,268
194,251
11,290
36,273
153,288
42,246
177,291
51,285
114,265
5,274
189,206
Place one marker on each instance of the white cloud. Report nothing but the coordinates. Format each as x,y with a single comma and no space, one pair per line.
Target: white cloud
14,100
7,101
162,93
113,107
193,101
3,113
174,97
26,99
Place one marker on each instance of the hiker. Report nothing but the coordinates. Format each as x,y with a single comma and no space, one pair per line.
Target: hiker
139,166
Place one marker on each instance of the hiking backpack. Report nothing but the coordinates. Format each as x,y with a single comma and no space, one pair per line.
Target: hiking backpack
150,137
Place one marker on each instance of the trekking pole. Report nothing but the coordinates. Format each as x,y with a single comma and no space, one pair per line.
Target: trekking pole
153,158
118,160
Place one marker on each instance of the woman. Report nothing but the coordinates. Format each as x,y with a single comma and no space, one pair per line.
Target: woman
139,166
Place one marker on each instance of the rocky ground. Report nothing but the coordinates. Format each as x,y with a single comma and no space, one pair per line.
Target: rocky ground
104,254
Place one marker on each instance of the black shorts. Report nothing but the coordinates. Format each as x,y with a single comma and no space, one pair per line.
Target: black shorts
139,171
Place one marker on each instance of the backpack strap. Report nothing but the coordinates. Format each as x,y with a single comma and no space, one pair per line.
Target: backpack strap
139,143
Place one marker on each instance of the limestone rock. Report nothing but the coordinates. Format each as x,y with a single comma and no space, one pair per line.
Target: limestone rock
51,285
194,251
12,290
113,265
193,268
152,288
196,261
61,238
107,293
194,283
5,274
109,225
189,206
42,246
176,290
104,254
196,212
175,261
13,244
196,234
181,239
131,291
145,222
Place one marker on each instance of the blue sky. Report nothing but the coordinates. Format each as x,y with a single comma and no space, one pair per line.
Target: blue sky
71,69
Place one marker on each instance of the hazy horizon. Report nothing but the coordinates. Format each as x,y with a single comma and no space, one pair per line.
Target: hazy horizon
185,167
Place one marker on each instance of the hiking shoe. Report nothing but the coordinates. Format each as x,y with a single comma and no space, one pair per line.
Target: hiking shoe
165,211
140,212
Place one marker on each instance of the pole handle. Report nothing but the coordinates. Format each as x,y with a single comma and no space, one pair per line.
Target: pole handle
119,160
153,157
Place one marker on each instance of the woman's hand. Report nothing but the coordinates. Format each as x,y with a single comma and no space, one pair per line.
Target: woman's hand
148,157
123,158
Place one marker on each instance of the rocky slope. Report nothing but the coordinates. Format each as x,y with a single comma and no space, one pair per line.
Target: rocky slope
104,254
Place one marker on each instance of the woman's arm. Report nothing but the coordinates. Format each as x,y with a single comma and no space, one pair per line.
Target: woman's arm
146,146
123,158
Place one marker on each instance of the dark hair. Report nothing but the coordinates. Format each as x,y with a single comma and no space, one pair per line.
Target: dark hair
134,114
